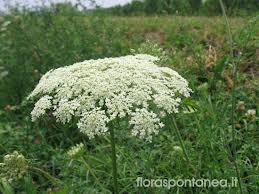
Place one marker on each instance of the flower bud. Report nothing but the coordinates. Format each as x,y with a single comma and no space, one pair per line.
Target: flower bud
240,106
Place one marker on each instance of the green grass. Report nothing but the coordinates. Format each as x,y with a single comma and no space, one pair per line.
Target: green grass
196,47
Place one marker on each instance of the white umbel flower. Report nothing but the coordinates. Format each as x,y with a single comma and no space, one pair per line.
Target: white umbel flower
14,167
97,92
75,150
250,113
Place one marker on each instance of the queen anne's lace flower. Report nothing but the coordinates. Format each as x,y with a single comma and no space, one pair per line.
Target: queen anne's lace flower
75,150
250,113
97,92
14,167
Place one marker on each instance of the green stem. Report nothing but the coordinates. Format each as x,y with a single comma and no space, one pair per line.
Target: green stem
5,150
44,173
182,144
92,173
233,95
114,165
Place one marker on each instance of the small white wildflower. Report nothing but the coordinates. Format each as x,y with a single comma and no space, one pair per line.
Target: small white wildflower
14,167
75,150
95,92
250,113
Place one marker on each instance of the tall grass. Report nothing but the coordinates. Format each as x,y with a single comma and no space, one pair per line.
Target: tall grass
233,95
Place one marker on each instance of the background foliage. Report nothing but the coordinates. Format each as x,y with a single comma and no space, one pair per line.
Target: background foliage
185,7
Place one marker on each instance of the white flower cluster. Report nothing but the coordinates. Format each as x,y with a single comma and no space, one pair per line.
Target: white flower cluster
75,150
96,92
251,113
14,167
41,106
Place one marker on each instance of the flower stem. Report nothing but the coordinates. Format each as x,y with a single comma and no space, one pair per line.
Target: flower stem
114,165
92,173
46,174
233,95
182,144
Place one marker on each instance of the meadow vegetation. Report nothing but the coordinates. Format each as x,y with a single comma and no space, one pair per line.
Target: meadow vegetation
31,43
